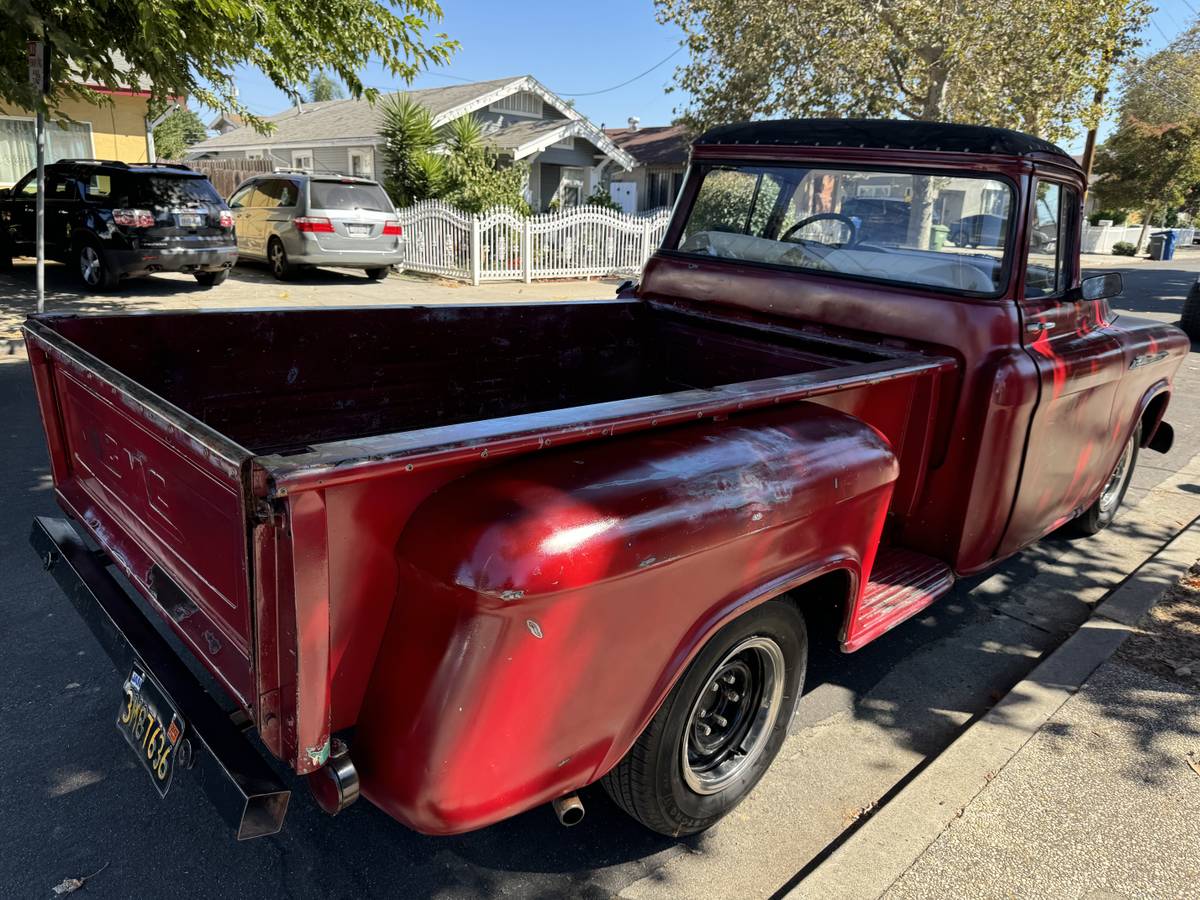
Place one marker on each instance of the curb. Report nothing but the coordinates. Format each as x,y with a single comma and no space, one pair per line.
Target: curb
890,841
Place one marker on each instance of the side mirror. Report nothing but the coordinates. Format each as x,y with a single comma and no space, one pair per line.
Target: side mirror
1099,287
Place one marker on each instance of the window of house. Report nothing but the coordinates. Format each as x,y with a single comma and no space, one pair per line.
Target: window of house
302,159
1046,270
662,188
565,144
522,103
360,163
570,188
254,154
18,145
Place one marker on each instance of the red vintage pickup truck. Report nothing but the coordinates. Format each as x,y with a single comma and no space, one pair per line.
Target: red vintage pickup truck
465,560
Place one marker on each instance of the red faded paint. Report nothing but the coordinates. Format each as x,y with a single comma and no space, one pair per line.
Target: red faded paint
490,538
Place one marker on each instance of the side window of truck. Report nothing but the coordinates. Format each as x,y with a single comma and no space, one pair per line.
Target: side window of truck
1046,272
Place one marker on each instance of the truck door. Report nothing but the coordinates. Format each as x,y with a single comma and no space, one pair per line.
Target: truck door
1079,363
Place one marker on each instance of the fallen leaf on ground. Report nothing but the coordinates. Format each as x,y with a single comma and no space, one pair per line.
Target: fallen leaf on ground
1192,763
71,885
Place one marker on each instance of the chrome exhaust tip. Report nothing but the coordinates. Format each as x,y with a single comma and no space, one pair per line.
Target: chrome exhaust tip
569,810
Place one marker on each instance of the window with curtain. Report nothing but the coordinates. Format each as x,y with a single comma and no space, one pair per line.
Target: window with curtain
18,145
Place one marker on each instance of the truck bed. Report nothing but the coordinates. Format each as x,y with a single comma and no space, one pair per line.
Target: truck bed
252,471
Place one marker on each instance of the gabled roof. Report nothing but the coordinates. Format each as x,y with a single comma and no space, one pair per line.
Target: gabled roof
653,145
349,122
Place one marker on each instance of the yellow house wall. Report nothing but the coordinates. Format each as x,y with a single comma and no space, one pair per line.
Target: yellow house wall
118,129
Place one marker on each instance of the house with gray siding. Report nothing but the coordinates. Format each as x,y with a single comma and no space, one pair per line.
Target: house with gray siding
523,121
660,154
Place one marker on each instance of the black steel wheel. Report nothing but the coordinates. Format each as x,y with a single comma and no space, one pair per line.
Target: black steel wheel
1100,514
719,728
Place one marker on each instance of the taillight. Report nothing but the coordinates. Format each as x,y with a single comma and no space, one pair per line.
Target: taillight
134,218
311,224
393,228
226,219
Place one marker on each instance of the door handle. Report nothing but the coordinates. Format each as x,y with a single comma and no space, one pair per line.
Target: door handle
1038,327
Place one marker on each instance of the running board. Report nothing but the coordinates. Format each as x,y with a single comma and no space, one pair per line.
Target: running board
902,584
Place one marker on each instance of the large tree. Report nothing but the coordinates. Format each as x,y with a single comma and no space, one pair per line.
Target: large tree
322,87
1152,159
1030,64
192,48
178,131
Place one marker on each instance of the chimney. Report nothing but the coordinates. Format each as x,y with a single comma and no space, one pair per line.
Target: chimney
634,121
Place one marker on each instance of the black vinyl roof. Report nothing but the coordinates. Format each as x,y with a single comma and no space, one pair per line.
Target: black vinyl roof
883,134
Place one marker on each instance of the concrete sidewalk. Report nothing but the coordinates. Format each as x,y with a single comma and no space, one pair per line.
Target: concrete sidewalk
1101,800
1102,803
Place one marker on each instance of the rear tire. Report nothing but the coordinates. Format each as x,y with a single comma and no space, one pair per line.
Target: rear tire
1100,514
378,274
277,256
211,279
1190,321
93,268
719,728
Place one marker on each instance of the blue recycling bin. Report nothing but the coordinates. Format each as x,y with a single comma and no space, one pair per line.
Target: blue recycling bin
1158,244
1171,239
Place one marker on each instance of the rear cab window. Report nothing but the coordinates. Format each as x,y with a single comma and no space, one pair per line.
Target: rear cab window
347,195
951,232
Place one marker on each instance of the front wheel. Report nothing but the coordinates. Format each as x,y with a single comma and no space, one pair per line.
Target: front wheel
378,274
719,728
1100,514
1190,320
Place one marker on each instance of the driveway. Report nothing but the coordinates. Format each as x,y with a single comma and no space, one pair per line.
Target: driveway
72,799
253,285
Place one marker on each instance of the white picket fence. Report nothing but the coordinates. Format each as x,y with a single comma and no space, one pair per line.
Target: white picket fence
1100,238
500,245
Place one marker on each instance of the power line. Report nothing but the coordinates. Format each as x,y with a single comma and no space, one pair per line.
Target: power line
623,83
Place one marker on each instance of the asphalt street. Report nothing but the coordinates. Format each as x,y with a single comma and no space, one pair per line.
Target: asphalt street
73,799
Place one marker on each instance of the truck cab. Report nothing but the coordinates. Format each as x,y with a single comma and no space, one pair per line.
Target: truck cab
467,559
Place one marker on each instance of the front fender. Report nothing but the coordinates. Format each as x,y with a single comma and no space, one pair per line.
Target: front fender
547,606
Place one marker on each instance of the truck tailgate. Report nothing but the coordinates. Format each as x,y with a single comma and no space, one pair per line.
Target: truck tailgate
161,493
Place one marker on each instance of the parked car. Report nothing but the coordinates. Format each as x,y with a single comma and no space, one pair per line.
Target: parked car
293,219
880,220
463,560
112,220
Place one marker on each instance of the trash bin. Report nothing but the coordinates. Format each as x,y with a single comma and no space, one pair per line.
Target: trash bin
937,236
1158,244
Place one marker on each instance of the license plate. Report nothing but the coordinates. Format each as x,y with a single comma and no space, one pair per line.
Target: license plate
151,726
190,220
358,230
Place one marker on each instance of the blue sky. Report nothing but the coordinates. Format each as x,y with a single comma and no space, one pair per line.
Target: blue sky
576,48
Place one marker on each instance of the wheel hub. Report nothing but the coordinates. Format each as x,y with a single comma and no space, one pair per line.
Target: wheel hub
1112,489
733,715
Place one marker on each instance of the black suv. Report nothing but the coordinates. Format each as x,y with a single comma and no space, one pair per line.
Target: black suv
111,220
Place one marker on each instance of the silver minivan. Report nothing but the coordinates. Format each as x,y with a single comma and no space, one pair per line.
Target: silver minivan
293,219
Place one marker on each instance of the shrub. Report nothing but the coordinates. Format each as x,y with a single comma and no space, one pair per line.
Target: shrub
601,197
1116,216
1124,248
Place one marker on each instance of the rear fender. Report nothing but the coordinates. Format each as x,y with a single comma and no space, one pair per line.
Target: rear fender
546,606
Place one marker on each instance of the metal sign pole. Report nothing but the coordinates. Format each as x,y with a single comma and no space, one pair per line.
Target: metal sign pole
41,212
38,58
